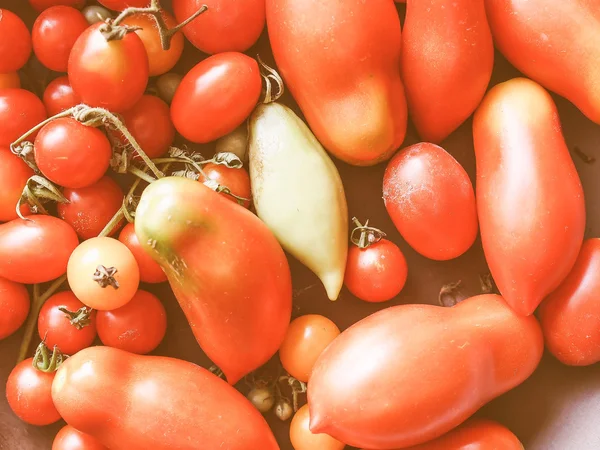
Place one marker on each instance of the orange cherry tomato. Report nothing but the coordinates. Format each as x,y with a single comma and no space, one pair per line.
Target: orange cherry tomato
10,80
236,180
150,271
69,438
303,439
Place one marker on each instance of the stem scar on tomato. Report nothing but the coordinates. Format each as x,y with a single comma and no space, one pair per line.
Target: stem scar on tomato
106,276
368,235
80,318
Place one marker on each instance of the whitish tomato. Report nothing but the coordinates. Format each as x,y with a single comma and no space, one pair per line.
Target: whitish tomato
14,173
59,96
15,42
303,439
14,304
150,271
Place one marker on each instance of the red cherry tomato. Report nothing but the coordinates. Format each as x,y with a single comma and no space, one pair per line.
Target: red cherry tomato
40,5
216,96
91,208
20,111
150,271
59,96
71,154
111,75
14,304
120,5
138,327
69,438
14,173
29,394
10,80
15,42
236,180
54,33
69,334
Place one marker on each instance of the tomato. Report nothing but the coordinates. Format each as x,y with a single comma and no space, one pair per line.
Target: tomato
138,327
521,153
35,250
341,66
432,366
111,75
91,208
14,304
302,438
430,199
54,33
103,273
160,61
96,13
41,5
227,270
306,338
14,174
59,96
15,42
167,84
177,403
10,80
68,438
236,180
150,271
225,26
71,154
120,5
20,111
28,391
216,96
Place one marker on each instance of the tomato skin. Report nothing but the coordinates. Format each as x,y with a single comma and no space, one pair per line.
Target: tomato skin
302,438
15,42
431,201
237,180
150,271
216,96
20,111
520,154
225,26
41,5
460,368
377,273
54,33
111,75
14,304
28,391
120,5
59,96
29,253
10,80
69,438
14,174
185,399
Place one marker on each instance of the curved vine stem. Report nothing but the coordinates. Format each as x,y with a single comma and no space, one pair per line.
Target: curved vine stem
14,147
270,76
368,235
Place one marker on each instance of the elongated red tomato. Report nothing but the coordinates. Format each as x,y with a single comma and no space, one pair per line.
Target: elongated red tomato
35,250
15,42
216,96
529,196
14,304
432,366
340,61
20,110
177,403
14,174
430,199
40,5
68,438
150,271
59,96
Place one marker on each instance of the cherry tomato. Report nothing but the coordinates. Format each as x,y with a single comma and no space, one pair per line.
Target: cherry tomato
111,75
150,271
138,327
120,5
40,5
15,42
10,80
103,273
59,96
305,339
20,111
71,154
28,391
236,180
160,61
69,438
14,304
303,439
54,33
14,173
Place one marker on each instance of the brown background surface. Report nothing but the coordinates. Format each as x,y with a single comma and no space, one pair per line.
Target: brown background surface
558,408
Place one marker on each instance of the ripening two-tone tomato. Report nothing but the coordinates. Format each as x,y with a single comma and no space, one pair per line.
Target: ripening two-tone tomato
69,438
150,271
236,180
303,439
20,111
15,42
14,174
14,304
59,96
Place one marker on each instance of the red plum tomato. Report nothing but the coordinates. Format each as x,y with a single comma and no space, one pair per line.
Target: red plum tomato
20,111
15,42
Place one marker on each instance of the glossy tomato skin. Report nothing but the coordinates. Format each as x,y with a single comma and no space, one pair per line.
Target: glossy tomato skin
15,42
29,250
176,400
59,96
120,5
10,80
303,439
433,367
431,201
236,180
216,96
41,5
150,271
523,164
14,174
20,110
92,207
69,438
14,304
28,391
54,33
225,26
111,75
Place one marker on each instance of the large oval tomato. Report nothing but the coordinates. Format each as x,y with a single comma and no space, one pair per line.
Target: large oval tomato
236,180
111,75
15,42
216,96
59,96
120,5
69,438
20,111
10,80
36,250
150,271
40,5
303,439
14,174
14,304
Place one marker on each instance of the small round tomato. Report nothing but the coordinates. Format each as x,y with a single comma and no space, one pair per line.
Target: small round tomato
28,391
14,174
59,96
54,33
103,273
71,154
305,339
236,180
160,61
14,304
111,75
69,438
20,111
15,42
303,439
10,80
150,271
41,5
138,327
120,5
